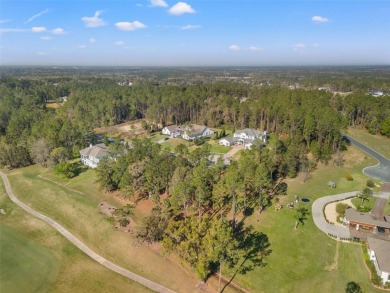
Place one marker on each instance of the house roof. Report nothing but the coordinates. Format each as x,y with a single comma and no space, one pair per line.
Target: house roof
195,129
249,132
97,151
173,127
382,252
230,139
353,215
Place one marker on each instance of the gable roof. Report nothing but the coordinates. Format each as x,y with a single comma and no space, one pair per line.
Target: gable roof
195,129
249,132
173,127
382,252
97,151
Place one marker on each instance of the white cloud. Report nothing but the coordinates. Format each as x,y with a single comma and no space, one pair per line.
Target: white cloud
180,8
234,48
127,47
129,26
82,46
119,43
299,47
139,5
315,45
255,48
4,21
38,15
319,19
46,38
158,3
38,29
93,21
58,31
92,40
189,27
41,53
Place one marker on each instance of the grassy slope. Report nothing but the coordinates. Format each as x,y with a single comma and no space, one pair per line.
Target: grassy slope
35,258
304,260
387,208
377,142
79,214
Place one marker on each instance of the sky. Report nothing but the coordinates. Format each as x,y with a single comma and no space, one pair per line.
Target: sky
194,32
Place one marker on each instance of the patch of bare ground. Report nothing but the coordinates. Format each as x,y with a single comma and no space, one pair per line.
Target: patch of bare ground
127,130
112,212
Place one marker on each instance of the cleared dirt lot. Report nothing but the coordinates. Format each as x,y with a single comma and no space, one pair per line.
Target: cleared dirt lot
127,130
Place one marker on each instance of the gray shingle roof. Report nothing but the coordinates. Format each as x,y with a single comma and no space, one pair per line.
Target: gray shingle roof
97,151
382,252
249,132
364,218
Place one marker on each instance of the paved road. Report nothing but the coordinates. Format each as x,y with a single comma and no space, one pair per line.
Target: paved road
380,171
147,283
319,218
378,208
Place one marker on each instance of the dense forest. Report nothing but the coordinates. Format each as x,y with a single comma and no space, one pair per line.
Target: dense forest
308,119
198,206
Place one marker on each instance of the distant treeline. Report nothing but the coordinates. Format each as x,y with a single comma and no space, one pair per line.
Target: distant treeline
310,119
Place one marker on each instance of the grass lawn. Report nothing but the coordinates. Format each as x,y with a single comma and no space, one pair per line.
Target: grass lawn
379,143
79,213
368,204
25,266
307,260
387,208
35,258
155,137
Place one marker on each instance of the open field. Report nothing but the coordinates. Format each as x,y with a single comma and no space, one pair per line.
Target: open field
378,143
35,258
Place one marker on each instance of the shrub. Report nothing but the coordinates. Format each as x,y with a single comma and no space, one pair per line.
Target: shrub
349,177
65,169
341,207
370,183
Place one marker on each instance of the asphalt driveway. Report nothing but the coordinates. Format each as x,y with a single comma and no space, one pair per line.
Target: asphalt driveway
382,170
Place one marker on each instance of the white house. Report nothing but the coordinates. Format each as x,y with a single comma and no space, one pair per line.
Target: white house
91,155
196,131
379,251
172,130
244,137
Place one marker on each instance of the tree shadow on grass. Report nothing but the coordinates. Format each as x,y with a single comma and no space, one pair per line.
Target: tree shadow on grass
254,247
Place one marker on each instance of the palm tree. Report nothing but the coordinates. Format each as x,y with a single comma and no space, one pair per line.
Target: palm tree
300,215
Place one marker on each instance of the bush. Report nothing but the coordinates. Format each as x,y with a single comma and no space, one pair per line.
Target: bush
370,183
349,177
199,141
341,207
65,169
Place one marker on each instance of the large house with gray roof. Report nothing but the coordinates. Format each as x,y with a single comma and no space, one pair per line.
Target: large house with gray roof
244,137
379,251
188,132
91,155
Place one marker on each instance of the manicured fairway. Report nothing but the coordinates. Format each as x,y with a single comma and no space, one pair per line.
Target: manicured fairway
25,266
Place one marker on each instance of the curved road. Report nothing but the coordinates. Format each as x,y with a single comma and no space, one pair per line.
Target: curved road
147,283
380,171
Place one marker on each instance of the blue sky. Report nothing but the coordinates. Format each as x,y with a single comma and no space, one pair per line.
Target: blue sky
194,32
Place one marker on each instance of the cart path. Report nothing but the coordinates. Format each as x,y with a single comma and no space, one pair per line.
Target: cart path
146,282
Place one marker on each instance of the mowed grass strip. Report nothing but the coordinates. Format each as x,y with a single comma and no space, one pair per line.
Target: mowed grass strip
35,258
24,265
377,142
